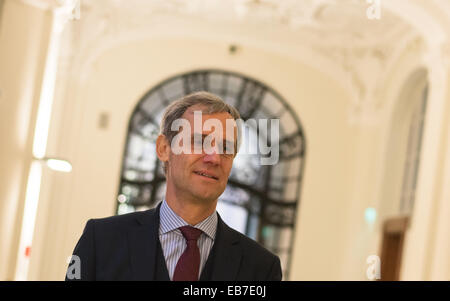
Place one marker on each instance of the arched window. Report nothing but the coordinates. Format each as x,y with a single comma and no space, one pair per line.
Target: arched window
402,169
260,200
411,167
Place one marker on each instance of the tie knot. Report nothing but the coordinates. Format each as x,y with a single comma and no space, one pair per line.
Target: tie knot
190,233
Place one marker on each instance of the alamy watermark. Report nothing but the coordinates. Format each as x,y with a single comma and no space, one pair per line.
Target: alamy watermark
262,137
74,269
373,271
73,8
374,10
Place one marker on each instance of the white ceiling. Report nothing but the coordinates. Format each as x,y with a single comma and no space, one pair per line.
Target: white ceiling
335,36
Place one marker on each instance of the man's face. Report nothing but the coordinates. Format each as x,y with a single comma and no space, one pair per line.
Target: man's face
201,176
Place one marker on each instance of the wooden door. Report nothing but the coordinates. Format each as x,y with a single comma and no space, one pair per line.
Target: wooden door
394,231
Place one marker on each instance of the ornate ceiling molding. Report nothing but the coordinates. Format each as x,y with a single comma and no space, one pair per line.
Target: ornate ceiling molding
340,38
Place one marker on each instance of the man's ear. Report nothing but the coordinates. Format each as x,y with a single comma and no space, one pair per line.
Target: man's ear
162,148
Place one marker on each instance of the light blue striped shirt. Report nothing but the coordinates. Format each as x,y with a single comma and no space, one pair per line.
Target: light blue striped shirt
173,243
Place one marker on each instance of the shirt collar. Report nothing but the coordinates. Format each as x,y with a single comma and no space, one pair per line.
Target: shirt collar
170,221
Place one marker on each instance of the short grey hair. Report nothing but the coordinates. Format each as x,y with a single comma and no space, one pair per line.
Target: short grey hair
212,104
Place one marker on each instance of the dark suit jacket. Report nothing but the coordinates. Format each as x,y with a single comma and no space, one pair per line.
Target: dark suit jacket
127,247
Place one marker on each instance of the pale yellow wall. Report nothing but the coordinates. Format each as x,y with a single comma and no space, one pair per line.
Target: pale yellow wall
438,259
23,44
417,255
380,167
379,162
427,242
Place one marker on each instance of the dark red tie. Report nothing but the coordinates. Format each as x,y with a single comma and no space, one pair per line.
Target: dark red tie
189,262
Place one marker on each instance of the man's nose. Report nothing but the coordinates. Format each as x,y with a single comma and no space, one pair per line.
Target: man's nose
212,157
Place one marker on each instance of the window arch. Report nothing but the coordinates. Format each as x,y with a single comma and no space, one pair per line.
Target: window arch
260,201
419,96
403,146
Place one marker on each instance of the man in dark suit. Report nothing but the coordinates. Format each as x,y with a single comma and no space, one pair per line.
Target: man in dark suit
183,238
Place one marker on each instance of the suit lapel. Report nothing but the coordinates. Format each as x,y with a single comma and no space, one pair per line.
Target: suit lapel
227,254
142,241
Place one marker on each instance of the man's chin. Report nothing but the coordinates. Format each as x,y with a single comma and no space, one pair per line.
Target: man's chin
207,197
